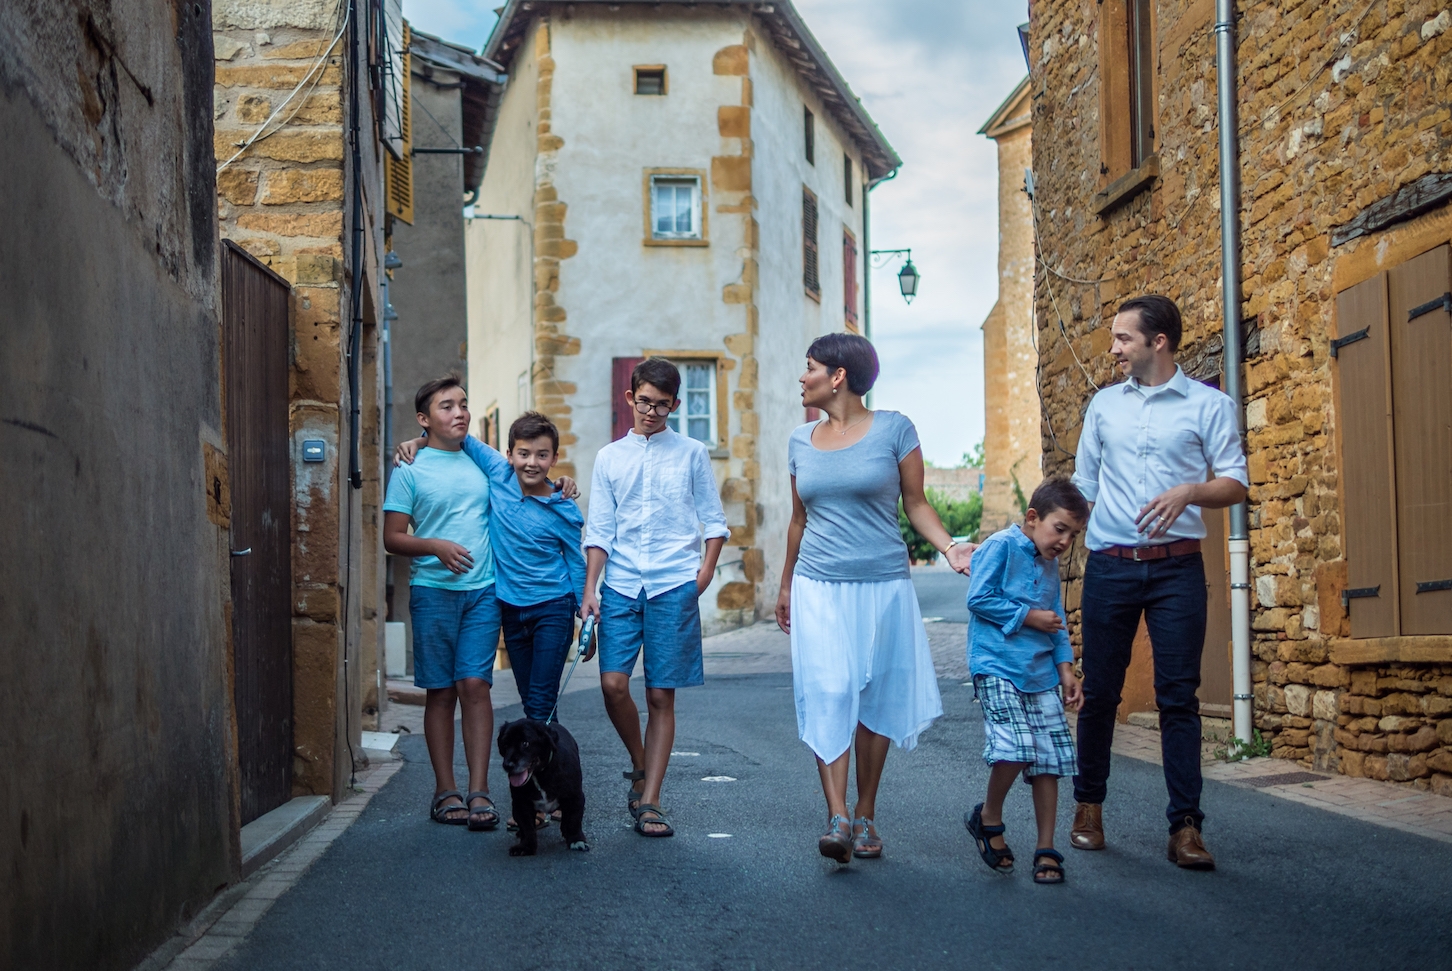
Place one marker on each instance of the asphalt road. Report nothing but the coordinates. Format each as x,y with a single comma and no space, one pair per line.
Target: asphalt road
942,593
1296,887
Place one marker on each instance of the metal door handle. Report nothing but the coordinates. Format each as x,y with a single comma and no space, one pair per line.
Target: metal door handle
246,552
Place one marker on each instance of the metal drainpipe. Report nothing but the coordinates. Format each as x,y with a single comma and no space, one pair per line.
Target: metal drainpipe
1229,122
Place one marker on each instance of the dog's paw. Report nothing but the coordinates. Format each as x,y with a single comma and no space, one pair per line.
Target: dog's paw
580,845
520,850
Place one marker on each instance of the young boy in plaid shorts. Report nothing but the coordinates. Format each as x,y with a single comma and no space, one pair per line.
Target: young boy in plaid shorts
1019,655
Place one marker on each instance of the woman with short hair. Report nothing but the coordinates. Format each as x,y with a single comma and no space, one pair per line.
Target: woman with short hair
861,666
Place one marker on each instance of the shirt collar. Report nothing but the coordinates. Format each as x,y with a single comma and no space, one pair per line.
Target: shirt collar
1021,539
1178,383
642,441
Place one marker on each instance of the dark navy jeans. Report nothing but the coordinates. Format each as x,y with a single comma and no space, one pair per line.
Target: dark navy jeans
538,641
1170,593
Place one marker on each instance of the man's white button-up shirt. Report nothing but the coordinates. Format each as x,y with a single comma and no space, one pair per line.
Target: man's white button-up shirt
652,501
1138,442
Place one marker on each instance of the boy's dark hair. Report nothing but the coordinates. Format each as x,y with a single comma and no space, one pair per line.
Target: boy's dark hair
531,425
1059,493
1157,315
425,396
659,372
852,353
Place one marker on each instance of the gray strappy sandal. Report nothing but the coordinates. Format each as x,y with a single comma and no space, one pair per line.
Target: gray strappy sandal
659,819
837,844
633,797
489,814
439,813
866,844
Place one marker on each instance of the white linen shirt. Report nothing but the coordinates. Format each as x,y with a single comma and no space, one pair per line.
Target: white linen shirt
651,499
1138,442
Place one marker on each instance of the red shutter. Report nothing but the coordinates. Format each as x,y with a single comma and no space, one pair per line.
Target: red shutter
621,419
849,277
1364,420
1421,346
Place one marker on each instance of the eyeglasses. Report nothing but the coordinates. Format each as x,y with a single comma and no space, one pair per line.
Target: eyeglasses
661,408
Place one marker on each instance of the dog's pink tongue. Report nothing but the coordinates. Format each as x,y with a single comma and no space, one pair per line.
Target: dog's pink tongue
517,779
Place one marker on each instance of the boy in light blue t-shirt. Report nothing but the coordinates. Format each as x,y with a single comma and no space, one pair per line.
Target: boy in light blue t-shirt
1020,658
455,615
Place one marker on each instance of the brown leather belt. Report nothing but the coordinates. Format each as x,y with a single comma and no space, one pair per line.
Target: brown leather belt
1163,551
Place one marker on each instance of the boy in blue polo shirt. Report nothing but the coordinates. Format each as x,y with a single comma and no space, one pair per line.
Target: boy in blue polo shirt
1020,658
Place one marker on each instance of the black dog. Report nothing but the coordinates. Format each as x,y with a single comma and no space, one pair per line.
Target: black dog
543,763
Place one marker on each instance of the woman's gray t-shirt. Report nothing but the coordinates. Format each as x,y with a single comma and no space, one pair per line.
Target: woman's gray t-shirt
851,497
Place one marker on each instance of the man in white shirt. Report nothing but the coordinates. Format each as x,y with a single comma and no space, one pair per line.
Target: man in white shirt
1154,451
652,497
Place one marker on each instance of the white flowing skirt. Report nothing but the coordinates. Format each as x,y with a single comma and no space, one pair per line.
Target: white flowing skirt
860,654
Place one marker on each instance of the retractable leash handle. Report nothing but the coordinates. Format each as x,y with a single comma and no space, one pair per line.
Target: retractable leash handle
587,634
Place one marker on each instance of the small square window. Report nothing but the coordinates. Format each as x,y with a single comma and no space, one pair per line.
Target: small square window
650,80
698,402
675,207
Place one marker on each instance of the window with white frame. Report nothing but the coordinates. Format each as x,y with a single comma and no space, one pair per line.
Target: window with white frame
675,207
696,417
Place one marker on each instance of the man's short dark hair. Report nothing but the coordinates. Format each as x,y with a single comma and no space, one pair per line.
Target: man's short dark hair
531,425
659,372
1059,493
1157,315
851,352
425,396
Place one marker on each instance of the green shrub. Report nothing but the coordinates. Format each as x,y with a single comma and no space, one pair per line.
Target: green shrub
960,518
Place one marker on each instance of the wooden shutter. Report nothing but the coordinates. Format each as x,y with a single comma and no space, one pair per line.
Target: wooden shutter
1364,418
622,419
810,278
398,171
1115,119
1421,350
849,277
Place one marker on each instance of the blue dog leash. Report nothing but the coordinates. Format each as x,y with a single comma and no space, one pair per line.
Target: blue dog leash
587,632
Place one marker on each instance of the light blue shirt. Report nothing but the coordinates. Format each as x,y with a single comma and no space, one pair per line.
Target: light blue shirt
1138,442
1009,579
536,539
447,497
651,501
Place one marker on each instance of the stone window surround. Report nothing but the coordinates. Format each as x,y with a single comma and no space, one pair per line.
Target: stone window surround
723,364
665,81
703,207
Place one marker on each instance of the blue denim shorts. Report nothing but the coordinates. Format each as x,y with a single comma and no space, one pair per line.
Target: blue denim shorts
455,634
667,625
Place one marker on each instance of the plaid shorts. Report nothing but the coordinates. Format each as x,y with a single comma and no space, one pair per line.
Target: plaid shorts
1025,727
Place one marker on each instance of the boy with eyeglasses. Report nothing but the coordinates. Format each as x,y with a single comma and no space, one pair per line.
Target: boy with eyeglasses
652,497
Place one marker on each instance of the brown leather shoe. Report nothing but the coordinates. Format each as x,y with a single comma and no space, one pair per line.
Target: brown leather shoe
1187,849
1087,833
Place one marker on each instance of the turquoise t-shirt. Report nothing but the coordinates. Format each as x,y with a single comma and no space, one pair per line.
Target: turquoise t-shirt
447,496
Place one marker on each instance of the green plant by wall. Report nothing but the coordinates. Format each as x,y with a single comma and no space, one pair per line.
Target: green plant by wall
961,517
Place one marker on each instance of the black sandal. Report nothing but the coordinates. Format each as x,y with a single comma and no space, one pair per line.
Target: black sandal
658,820
439,813
633,797
1048,872
489,814
999,861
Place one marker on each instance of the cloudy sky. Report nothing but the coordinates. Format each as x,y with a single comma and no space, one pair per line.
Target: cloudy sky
930,72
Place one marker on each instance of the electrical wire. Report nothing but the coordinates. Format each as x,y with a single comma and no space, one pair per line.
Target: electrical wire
313,74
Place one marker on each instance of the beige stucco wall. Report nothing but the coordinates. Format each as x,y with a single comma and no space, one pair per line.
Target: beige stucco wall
573,144
1011,442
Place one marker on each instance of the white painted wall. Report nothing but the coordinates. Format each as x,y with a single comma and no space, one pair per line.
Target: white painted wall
791,320
500,254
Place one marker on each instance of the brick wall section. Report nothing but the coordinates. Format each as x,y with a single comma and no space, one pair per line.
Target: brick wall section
1317,146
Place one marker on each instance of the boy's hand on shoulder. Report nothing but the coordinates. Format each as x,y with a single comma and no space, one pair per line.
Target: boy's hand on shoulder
457,558
1046,621
404,452
567,487
1073,688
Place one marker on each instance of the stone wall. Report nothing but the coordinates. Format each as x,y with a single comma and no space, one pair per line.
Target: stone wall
1340,104
285,199
119,798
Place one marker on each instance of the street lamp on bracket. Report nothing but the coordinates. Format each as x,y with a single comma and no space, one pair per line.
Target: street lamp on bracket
907,277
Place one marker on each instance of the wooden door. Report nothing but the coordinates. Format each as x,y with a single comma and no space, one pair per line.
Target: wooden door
1421,346
255,361
1215,679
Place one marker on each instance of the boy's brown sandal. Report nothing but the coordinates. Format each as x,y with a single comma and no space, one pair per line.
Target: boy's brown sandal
1087,832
